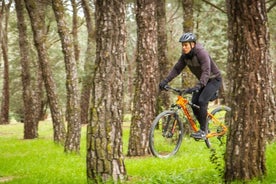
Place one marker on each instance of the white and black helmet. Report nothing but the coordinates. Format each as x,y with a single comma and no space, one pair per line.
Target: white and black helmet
187,37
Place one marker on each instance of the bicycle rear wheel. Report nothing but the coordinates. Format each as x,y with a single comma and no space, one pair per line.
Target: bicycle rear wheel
221,114
166,134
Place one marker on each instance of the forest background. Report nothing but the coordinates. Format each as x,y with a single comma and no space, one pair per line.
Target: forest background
210,27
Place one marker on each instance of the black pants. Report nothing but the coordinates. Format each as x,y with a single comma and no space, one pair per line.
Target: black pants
202,99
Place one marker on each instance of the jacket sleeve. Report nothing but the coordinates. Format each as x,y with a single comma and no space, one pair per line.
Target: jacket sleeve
176,70
205,62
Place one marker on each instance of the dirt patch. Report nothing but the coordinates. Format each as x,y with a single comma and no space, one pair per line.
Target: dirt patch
5,179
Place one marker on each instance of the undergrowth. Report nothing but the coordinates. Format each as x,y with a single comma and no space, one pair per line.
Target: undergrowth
41,161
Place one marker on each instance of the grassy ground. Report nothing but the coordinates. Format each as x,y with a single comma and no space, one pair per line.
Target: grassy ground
40,161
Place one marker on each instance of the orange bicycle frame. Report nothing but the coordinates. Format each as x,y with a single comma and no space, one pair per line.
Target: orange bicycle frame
182,102
214,134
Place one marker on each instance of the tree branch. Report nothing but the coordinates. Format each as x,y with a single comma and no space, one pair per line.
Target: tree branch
176,10
215,6
271,6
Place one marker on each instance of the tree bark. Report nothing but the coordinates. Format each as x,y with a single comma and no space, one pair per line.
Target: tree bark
75,30
89,63
251,99
72,143
188,17
36,11
30,95
146,84
5,101
105,159
163,100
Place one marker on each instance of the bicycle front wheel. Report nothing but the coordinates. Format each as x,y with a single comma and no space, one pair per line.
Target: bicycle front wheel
166,134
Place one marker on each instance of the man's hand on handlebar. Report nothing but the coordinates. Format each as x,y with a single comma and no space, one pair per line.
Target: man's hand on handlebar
163,84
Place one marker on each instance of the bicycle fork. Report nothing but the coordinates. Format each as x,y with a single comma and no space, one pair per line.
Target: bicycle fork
167,130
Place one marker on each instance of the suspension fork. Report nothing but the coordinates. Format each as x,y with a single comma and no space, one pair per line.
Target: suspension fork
172,129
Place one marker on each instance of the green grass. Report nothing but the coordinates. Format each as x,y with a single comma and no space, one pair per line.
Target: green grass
40,161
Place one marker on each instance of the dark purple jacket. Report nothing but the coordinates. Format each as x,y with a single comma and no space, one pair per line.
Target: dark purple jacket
200,64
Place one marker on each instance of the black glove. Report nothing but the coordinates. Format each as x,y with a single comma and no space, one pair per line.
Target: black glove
194,89
162,84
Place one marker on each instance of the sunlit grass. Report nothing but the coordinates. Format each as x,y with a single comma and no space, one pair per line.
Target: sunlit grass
40,161
190,165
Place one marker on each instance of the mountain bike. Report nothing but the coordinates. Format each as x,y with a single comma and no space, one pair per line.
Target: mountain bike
167,129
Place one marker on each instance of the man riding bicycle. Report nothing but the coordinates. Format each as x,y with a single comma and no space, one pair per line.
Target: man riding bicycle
206,71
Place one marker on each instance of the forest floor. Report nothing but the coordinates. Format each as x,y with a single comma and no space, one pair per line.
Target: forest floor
41,161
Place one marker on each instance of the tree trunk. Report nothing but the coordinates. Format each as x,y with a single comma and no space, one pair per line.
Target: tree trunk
104,133
5,103
89,63
147,76
36,10
188,17
250,71
163,100
30,98
73,109
75,30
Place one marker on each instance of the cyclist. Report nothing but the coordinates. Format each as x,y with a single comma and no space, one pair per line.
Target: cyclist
206,71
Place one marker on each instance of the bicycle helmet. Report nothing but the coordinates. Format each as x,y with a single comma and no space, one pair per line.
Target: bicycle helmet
187,37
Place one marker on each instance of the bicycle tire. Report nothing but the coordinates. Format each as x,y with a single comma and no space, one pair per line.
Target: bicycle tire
162,142
220,113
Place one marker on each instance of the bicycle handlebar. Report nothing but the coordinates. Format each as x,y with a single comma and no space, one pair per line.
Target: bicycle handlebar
181,92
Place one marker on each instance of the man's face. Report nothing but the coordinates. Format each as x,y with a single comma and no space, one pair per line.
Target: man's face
187,47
